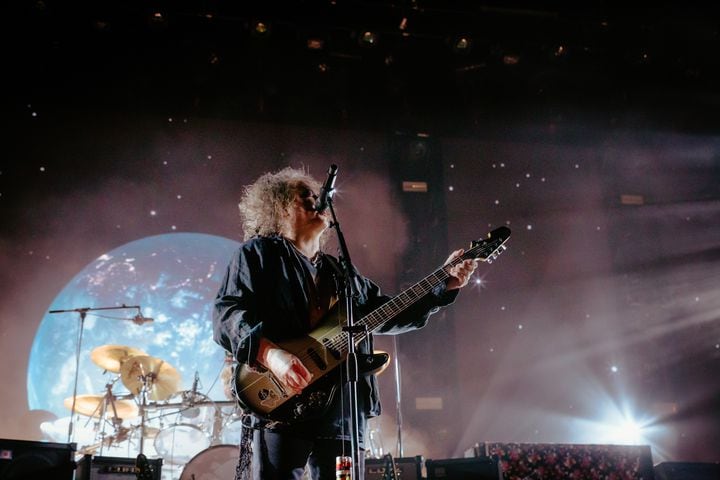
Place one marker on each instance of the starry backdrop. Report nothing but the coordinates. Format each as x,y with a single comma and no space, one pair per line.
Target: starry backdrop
587,135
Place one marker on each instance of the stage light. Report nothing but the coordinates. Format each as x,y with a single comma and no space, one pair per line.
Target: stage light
260,29
629,432
158,20
368,38
511,59
315,44
462,44
619,425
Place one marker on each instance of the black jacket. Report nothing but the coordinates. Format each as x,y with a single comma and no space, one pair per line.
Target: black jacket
265,293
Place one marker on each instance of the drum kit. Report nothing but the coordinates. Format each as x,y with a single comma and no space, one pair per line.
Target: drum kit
183,427
196,437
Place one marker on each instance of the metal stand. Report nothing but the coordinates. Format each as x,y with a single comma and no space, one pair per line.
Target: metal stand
350,293
398,399
83,313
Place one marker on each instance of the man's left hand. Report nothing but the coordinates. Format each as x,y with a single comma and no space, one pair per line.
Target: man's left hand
460,274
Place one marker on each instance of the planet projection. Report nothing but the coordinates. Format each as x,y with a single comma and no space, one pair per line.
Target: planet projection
173,278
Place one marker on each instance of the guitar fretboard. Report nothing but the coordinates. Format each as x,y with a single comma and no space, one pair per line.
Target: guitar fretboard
407,298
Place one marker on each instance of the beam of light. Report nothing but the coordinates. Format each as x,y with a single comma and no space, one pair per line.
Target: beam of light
618,423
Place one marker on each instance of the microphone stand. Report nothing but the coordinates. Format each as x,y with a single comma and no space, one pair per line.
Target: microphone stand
398,398
83,313
350,293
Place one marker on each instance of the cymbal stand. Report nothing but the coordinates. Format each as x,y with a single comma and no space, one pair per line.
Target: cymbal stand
147,381
109,399
83,313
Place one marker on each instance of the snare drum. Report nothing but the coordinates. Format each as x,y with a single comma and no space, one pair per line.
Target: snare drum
215,463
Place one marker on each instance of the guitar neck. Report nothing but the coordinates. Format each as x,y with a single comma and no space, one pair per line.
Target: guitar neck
410,296
485,250
404,300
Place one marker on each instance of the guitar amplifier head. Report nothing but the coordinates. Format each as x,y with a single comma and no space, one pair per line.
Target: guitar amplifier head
407,468
114,468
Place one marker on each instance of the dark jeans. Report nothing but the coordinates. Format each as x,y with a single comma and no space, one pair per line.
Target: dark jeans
278,456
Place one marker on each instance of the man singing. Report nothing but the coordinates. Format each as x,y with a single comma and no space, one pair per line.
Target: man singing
279,285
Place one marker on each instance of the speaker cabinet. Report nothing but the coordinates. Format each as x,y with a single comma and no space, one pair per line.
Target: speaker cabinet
687,471
27,460
464,469
113,468
407,468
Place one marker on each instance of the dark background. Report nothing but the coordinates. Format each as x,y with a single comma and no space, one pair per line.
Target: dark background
590,130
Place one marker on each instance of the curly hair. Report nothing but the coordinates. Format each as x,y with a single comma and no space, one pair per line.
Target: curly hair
263,203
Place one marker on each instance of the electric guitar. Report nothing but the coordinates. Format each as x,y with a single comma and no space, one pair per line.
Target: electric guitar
326,348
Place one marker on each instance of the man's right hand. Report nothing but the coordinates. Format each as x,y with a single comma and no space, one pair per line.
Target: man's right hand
284,365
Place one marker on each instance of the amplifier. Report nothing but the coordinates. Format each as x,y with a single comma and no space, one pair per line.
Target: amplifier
114,468
29,460
464,469
407,468
687,471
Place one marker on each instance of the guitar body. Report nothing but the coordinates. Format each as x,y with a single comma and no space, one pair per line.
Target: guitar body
259,391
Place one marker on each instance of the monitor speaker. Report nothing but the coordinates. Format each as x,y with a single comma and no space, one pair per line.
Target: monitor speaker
115,468
464,469
687,471
28,460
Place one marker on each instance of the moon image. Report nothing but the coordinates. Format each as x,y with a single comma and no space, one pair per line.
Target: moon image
173,278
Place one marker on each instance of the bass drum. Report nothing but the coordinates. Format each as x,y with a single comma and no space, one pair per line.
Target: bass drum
215,463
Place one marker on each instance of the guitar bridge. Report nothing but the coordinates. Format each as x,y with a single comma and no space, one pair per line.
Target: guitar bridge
278,385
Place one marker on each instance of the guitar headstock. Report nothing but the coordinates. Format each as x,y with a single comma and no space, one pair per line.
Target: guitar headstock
488,249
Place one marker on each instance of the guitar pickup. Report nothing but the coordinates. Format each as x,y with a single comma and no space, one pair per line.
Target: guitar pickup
333,352
315,356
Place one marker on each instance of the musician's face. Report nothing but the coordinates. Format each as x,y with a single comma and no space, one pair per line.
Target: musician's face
302,217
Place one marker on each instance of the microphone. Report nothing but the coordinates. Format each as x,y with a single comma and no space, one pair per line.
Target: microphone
327,191
139,319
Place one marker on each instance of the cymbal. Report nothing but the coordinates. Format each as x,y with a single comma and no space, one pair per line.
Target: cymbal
111,357
160,378
91,406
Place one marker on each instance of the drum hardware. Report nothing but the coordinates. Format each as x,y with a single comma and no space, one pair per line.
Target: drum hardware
155,378
82,314
189,433
107,409
148,378
198,423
